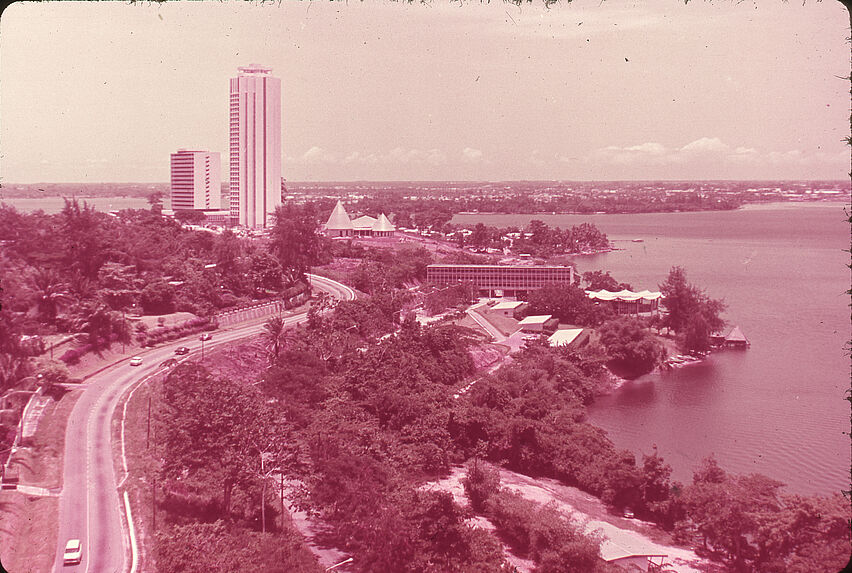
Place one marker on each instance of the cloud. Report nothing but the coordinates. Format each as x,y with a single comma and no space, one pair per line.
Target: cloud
361,158
317,155
705,145
649,153
415,156
396,156
651,148
708,151
535,158
471,155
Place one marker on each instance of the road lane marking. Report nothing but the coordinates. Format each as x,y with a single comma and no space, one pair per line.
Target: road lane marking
134,552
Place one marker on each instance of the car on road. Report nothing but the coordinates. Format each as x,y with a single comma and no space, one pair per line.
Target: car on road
136,361
205,336
181,350
73,552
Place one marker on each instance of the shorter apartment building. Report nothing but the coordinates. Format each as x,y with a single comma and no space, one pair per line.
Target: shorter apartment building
196,180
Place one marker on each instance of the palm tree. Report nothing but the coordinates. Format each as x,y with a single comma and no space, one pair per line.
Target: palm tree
100,324
274,328
50,294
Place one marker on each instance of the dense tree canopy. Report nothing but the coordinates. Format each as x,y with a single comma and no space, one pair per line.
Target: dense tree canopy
690,312
295,239
751,525
569,303
599,280
633,350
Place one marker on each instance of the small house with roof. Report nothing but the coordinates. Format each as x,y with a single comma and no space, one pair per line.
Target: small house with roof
539,323
510,308
733,339
569,338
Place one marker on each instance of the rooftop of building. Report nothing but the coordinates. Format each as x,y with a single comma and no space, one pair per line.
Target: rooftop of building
339,218
254,69
564,337
626,295
535,319
383,224
507,305
499,266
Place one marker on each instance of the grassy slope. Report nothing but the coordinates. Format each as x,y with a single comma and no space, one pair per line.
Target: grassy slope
29,524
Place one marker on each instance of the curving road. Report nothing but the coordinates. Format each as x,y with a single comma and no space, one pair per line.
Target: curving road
89,506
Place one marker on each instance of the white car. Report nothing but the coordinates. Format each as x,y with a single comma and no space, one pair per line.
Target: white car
73,552
136,361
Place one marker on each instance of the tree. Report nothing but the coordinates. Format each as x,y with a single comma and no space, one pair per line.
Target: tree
264,273
295,238
691,313
568,303
633,350
274,331
158,298
658,499
227,251
119,284
82,235
15,362
155,200
102,325
598,280
190,216
50,294
210,433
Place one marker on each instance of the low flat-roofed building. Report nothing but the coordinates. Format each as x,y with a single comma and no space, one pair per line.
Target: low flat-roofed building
510,308
569,337
539,323
220,217
510,280
632,556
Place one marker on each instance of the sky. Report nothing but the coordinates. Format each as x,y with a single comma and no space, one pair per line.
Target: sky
442,90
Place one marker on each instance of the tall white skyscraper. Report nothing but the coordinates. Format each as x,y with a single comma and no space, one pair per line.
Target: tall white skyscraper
196,180
255,170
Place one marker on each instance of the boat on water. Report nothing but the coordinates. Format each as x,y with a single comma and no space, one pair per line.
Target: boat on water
638,240
681,360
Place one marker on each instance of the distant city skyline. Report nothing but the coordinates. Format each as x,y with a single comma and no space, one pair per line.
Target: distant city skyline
385,91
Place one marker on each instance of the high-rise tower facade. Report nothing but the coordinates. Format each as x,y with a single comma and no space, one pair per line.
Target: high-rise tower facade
255,145
196,180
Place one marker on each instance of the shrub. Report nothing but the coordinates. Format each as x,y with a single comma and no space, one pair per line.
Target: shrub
480,483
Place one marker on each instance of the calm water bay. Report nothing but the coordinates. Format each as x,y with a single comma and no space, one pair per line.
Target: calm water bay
777,408
56,204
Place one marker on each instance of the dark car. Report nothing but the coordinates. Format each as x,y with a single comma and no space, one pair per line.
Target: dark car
181,350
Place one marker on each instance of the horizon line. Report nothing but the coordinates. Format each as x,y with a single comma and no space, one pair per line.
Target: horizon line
445,181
